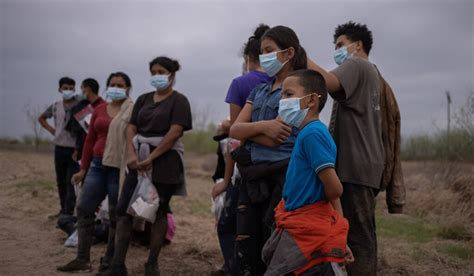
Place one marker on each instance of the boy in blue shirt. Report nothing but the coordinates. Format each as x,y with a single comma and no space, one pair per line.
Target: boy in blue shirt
310,214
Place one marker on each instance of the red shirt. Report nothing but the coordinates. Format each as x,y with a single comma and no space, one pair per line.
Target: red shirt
96,135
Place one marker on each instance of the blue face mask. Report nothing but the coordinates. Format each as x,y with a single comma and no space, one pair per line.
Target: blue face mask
341,54
68,94
270,63
160,82
290,111
116,93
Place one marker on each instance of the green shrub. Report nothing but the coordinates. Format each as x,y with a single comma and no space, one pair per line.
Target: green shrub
458,145
200,140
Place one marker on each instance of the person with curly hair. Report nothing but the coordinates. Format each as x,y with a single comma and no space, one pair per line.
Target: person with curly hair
356,126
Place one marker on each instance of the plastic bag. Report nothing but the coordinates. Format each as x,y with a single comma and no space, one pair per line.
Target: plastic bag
218,202
72,240
103,211
145,200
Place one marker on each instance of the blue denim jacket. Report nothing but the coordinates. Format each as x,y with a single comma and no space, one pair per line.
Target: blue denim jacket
265,103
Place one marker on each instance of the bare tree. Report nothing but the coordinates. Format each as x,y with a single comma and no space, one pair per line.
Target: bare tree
32,114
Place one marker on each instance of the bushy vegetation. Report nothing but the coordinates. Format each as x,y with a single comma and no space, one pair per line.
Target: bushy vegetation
200,140
457,145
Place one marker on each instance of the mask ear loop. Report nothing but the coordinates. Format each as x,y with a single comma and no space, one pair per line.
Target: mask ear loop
314,93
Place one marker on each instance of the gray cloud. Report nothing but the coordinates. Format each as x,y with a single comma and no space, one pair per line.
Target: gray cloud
422,48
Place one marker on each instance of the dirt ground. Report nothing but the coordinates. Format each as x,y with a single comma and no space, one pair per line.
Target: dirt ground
30,244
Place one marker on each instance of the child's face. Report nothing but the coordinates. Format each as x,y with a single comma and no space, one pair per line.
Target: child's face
291,88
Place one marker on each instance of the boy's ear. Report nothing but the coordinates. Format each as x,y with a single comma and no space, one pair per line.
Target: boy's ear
313,100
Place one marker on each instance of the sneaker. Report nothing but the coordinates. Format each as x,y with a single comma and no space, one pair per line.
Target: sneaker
152,269
114,271
76,265
104,264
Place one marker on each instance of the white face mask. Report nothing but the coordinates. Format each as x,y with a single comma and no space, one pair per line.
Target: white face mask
160,82
68,94
342,54
290,111
116,93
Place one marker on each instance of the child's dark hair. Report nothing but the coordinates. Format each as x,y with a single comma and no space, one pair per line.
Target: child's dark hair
252,47
285,38
355,32
66,80
312,82
92,84
122,75
170,64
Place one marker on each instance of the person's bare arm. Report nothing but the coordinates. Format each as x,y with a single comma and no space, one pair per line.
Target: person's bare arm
261,132
332,82
332,184
234,112
132,158
44,123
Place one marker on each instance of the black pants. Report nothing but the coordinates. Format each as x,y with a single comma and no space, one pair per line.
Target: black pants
124,225
256,220
65,168
226,229
358,205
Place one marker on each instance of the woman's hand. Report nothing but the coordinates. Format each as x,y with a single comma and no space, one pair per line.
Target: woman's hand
145,165
78,177
132,161
277,130
218,189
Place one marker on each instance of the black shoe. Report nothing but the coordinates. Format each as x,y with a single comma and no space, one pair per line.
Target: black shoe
54,216
152,269
220,272
104,263
114,271
76,265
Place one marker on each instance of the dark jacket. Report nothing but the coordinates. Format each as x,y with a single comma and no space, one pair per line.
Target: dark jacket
392,179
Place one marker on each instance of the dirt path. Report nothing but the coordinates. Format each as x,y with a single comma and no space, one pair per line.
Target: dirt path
31,245
414,244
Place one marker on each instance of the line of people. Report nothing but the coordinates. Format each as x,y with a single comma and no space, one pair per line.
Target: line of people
105,138
299,196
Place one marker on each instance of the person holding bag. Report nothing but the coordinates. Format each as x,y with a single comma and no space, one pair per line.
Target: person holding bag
102,157
158,121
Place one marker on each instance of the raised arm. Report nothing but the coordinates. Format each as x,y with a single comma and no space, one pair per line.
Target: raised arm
332,81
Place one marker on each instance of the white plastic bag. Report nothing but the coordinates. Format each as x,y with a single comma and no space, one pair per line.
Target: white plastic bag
218,205
218,202
145,200
72,240
103,212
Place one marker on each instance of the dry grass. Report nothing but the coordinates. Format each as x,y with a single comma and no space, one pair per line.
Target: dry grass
433,238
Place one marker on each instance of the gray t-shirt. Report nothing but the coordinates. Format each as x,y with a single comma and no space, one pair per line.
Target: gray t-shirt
61,115
356,121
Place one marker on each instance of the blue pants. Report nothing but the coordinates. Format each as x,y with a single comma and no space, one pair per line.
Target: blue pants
101,181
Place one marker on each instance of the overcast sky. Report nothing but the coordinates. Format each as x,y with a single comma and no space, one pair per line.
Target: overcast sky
422,48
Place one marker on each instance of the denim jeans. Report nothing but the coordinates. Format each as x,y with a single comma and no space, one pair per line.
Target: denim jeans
65,167
100,181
